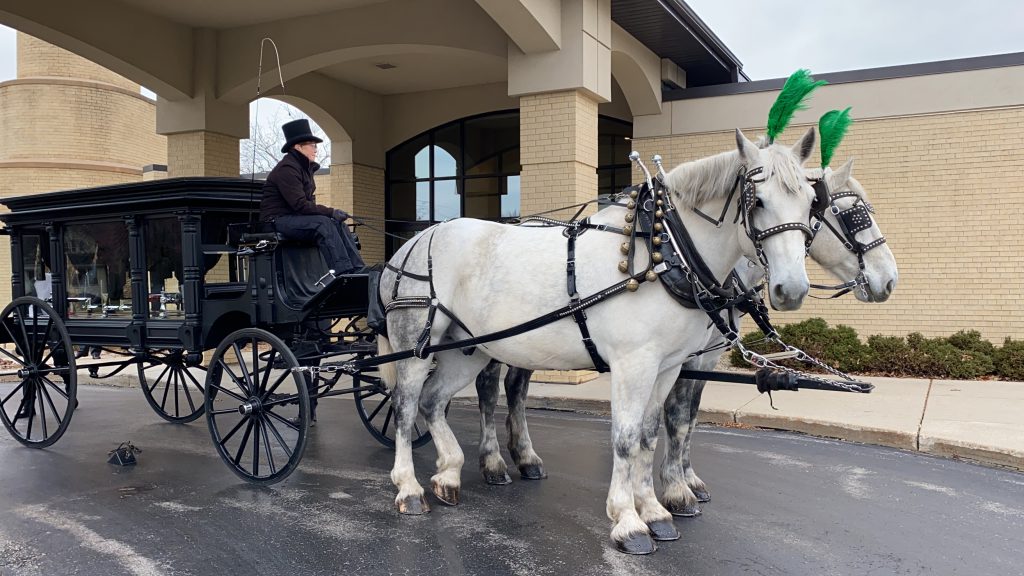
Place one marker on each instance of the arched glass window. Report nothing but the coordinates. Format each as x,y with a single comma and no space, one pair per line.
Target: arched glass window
470,167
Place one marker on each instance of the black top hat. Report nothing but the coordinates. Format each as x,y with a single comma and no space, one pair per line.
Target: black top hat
295,132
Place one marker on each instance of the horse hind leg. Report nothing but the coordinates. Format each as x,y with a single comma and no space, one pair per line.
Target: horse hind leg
492,465
407,388
678,497
454,372
517,385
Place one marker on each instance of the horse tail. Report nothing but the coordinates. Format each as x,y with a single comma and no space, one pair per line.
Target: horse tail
387,371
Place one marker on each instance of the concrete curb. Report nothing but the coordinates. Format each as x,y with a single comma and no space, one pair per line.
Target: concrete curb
986,455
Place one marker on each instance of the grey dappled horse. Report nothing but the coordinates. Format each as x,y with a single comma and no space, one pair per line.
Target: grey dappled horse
492,276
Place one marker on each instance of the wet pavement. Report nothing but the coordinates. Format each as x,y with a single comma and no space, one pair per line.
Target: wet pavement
781,504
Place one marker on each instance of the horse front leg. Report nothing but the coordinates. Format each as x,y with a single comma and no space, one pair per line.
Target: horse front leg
517,385
492,465
632,385
454,371
681,411
657,517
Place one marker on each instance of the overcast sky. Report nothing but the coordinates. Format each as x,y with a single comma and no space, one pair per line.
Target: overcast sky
774,37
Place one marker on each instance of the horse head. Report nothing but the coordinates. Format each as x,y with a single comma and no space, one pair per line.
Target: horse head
848,243
774,208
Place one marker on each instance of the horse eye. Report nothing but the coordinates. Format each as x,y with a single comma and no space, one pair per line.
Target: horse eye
758,203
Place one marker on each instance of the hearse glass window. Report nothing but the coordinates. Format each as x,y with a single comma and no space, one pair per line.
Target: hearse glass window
98,282
220,264
35,266
164,268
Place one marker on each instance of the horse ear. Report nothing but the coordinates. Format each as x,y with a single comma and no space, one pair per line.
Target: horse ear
803,148
748,151
840,177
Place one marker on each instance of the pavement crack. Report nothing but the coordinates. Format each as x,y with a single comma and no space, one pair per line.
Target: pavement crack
924,410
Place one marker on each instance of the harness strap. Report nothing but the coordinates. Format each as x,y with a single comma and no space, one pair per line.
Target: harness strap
574,298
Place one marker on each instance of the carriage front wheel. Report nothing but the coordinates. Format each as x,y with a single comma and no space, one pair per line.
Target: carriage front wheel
173,389
257,406
376,411
38,383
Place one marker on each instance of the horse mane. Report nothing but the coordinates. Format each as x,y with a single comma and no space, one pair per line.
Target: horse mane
699,181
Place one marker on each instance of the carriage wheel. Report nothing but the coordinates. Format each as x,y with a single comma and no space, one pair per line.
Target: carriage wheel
176,391
378,414
257,407
38,390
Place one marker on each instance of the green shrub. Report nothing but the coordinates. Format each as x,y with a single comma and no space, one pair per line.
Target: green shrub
887,355
1009,360
838,347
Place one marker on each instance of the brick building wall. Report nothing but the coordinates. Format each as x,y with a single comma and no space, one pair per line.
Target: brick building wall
66,123
949,198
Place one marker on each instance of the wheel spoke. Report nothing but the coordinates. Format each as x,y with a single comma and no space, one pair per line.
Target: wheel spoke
57,388
245,369
49,400
245,441
156,382
280,440
224,411
34,344
238,382
282,420
28,403
188,395
58,345
266,447
42,413
228,392
174,378
12,356
282,401
376,410
266,375
256,449
255,369
30,354
224,440
195,382
387,420
278,382
13,392
167,388
17,346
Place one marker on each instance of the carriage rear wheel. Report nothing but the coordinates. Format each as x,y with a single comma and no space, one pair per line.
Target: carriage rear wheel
173,389
376,411
38,383
257,406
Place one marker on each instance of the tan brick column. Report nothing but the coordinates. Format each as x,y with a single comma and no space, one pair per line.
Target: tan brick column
359,189
202,153
558,149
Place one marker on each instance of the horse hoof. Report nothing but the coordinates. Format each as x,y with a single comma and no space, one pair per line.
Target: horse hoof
496,478
447,494
637,544
663,530
702,495
532,472
683,510
413,506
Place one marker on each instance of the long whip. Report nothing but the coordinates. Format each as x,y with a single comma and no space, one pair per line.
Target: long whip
256,125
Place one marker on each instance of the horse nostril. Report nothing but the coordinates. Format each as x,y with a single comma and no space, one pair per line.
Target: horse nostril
889,287
779,293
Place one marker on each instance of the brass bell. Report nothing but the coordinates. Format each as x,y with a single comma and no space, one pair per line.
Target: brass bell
651,276
632,285
657,257
633,194
624,248
660,203
627,229
661,192
631,205
656,240
658,227
623,266
630,216
659,214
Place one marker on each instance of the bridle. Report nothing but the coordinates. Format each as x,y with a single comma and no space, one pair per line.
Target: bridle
851,221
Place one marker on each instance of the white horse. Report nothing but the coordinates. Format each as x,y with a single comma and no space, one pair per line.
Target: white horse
490,277
683,489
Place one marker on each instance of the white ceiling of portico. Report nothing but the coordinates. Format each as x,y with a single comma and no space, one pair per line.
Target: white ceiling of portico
234,13
419,72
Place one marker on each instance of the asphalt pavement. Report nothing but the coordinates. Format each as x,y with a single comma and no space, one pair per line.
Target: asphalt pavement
782,503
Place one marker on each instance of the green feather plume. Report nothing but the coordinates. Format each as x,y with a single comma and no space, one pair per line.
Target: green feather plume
795,91
832,127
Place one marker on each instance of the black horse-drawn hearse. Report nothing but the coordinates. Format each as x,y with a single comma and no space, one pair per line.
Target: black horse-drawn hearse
173,278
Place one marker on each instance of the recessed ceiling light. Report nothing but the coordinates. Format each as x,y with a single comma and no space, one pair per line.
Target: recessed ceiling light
385,66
